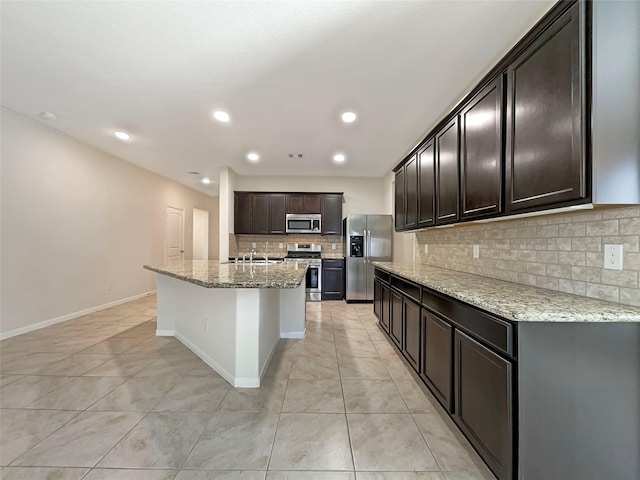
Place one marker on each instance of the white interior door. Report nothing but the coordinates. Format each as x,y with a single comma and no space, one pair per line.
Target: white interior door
200,234
174,234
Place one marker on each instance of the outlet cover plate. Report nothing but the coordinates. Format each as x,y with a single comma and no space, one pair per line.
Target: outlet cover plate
613,257
476,251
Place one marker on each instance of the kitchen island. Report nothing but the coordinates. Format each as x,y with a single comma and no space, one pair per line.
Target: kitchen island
231,315
544,384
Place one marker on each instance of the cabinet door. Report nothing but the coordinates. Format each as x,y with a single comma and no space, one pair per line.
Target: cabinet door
260,213
399,195
545,162
332,279
242,213
295,203
332,214
447,167
437,357
277,213
426,185
481,153
395,329
411,348
377,298
385,307
312,203
483,402
411,193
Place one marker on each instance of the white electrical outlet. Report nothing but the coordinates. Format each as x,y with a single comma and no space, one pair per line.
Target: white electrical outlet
333,246
253,245
426,248
280,245
613,257
476,251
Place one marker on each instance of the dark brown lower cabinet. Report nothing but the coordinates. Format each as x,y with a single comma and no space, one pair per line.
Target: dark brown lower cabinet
385,307
395,329
483,402
437,358
377,297
332,279
411,347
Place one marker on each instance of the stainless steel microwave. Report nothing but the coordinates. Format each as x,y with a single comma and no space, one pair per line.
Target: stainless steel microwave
304,223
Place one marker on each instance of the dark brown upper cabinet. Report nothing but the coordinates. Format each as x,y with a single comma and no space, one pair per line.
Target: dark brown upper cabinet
426,185
447,172
277,213
260,213
545,160
481,153
332,214
399,198
411,193
242,213
304,203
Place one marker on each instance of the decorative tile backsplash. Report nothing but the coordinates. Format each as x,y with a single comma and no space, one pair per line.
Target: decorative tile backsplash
241,244
563,252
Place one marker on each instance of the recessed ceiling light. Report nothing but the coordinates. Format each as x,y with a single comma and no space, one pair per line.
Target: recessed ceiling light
339,157
348,117
122,135
221,116
206,181
253,157
48,115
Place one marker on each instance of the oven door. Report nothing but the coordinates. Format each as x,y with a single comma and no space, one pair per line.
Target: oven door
314,282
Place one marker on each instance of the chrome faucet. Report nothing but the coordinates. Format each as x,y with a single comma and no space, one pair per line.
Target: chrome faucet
266,251
253,251
244,258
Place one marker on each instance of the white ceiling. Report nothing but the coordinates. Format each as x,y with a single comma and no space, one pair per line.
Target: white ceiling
283,70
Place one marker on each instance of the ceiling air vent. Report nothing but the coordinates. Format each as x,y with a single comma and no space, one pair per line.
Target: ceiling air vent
193,173
296,155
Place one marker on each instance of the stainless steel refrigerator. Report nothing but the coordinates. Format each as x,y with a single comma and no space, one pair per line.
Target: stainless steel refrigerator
367,239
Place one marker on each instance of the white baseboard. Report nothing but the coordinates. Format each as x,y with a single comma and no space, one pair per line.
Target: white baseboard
165,333
71,316
271,353
292,334
208,360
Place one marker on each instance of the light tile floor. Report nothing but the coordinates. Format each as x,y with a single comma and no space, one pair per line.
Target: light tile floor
101,397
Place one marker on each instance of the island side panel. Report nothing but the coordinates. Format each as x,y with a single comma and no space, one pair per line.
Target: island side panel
270,308
166,309
293,312
203,319
579,400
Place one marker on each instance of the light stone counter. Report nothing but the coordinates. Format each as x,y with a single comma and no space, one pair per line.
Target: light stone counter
213,274
512,301
231,315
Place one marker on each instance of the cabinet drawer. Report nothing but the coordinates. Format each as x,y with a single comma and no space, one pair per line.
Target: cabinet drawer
408,288
382,275
497,333
332,263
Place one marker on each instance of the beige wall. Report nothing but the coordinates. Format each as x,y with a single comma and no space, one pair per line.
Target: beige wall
563,252
361,195
78,224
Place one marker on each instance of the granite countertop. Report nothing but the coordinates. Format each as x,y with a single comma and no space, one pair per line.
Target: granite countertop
512,301
213,274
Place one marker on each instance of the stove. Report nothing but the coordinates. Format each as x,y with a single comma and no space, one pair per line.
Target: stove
310,253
